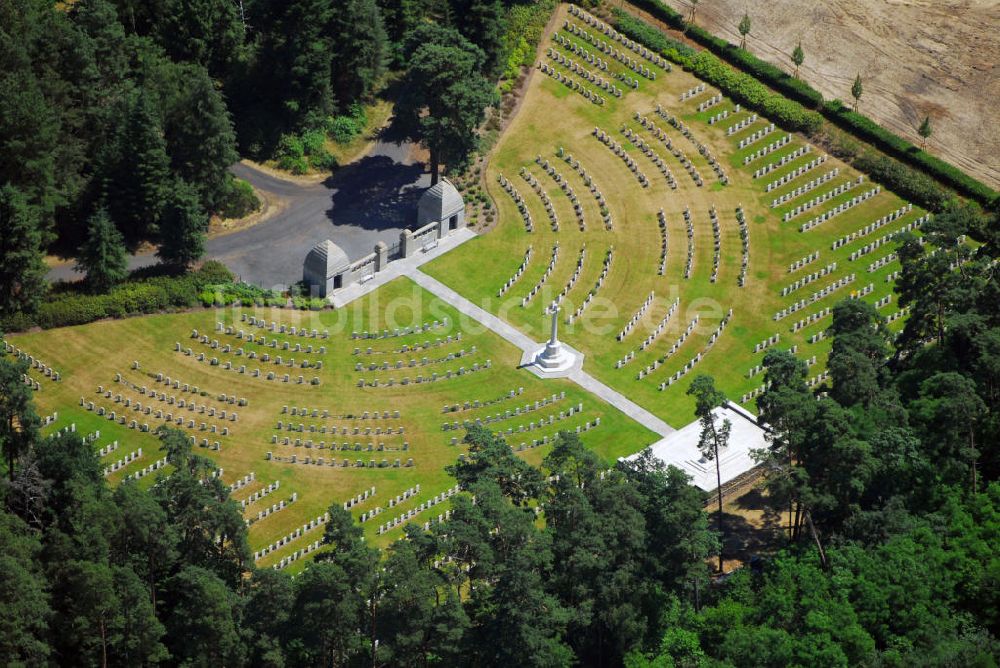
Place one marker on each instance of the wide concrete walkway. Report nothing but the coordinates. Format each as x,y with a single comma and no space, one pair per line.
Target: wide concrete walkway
526,344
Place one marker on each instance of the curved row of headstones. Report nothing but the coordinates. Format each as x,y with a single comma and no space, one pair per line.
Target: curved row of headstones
571,83
477,404
589,182
542,422
823,197
567,189
412,348
741,221
636,317
654,157
607,30
770,148
878,224
840,208
620,151
572,279
579,70
703,148
413,362
522,206
782,161
273,326
652,336
796,173
655,364
546,202
698,357
401,331
808,278
544,277
508,414
605,270
432,378
717,241
509,283
805,187
689,267
609,50
678,125
661,221
37,364
252,354
227,365
815,297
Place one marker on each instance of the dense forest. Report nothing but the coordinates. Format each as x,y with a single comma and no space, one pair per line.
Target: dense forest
886,480
119,119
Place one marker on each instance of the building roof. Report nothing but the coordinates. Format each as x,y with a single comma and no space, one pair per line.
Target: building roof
326,259
680,448
439,202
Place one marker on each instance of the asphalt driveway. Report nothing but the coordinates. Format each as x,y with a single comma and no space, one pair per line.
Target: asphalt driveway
372,199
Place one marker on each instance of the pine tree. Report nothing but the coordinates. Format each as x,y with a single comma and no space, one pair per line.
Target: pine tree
482,23
182,238
137,184
857,90
744,30
798,57
713,436
200,138
444,95
103,256
18,421
22,271
925,131
359,49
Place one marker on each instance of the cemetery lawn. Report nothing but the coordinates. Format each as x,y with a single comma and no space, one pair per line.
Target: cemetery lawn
91,355
553,117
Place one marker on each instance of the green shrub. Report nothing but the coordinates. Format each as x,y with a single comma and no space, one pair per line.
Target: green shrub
213,271
749,91
293,164
313,141
904,181
239,200
323,160
290,146
344,129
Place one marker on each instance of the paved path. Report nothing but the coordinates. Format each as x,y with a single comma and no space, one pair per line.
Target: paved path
372,199
526,344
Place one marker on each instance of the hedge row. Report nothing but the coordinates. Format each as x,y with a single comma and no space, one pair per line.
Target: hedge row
906,182
772,75
749,91
66,306
653,37
795,89
738,85
868,130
